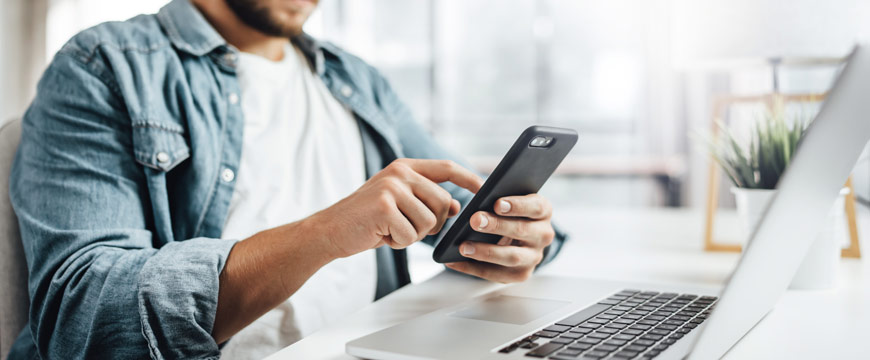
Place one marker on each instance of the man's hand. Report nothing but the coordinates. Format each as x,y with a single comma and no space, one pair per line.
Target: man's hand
524,224
398,206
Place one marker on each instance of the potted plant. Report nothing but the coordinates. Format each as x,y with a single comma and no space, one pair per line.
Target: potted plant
755,167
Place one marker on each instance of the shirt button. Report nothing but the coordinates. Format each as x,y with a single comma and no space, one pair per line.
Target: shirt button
346,91
162,157
234,98
228,175
230,57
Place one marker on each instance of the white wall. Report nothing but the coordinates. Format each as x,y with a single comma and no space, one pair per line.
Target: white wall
22,37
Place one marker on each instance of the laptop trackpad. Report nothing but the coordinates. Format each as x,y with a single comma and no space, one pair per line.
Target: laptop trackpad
510,309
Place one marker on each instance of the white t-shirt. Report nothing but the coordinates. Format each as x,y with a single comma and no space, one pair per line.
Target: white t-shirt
302,152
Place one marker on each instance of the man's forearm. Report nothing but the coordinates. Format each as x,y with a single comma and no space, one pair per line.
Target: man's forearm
264,270
398,206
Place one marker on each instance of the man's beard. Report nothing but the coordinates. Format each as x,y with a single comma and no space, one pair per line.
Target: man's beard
259,18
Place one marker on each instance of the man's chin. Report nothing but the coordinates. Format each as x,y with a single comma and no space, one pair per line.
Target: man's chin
292,26
277,18
293,18
298,7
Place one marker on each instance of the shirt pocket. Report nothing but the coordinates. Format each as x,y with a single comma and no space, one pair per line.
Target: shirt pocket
159,145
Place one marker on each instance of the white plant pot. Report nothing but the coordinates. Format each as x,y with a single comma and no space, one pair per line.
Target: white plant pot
818,270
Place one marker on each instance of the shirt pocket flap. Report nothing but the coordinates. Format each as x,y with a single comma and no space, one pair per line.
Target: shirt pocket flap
158,145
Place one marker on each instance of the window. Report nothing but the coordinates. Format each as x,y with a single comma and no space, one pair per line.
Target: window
67,17
477,72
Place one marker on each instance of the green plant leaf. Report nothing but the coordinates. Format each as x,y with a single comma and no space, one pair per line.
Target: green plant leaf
772,144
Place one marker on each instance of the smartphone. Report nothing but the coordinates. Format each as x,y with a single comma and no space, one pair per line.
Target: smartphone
523,170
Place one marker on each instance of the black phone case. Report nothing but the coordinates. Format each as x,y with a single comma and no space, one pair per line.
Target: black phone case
522,171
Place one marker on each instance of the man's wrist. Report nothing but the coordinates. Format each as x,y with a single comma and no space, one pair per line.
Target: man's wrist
314,229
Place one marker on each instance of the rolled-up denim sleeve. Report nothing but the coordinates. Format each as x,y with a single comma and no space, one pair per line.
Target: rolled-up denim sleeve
99,286
418,143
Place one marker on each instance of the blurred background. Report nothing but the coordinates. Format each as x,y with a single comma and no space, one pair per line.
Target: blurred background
636,78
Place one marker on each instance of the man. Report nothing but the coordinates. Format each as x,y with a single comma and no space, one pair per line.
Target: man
191,182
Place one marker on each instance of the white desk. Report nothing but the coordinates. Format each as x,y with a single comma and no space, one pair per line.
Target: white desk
662,246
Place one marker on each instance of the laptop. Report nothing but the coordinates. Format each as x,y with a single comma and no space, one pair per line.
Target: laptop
566,318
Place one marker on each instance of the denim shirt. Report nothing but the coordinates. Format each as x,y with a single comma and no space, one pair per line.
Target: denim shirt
125,171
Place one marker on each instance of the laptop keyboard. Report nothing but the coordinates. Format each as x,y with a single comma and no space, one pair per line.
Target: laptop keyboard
630,324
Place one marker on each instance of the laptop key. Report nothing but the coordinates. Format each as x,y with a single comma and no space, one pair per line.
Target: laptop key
561,340
643,342
637,348
544,350
546,334
581,330
604,333
616,342
652,337
580,346
559,356
624,336
557,328
651,354
569,353
595,354
599,335
625,354
589,340
583,315
605,348
608,330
